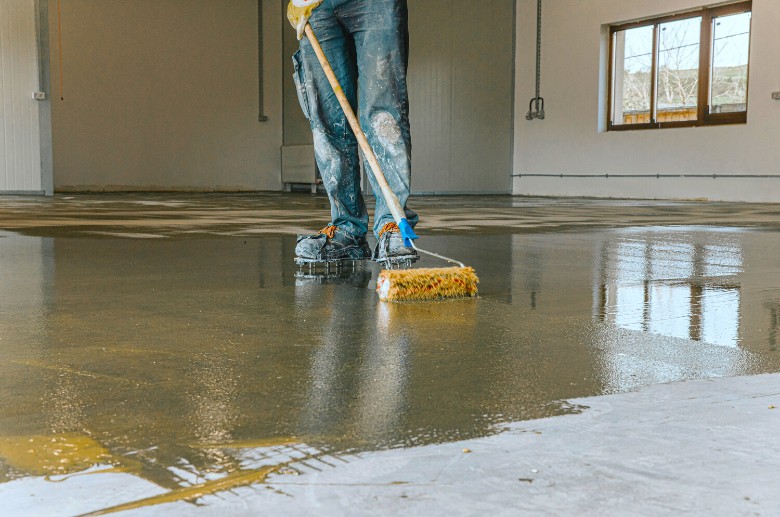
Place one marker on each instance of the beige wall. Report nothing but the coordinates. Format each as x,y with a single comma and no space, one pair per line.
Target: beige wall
163,95
571,140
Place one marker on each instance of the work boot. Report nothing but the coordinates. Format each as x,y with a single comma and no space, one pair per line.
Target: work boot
391,248
331,244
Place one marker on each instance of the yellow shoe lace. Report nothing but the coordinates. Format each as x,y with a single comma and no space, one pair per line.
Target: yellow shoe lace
329,231
389,227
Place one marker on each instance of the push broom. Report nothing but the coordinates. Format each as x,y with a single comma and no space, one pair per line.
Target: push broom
458,281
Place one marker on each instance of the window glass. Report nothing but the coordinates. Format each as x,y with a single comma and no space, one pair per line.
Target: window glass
677,88
730,49
676,70
633,75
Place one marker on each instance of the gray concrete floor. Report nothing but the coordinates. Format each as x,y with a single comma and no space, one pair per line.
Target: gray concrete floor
168,347
696,448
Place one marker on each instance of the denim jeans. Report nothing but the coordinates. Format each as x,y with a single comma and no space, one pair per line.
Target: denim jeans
366,42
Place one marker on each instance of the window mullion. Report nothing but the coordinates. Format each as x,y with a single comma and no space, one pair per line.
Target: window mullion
611,81
705,63
654,75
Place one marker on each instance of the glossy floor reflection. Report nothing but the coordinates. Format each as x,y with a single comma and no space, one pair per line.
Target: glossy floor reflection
182,361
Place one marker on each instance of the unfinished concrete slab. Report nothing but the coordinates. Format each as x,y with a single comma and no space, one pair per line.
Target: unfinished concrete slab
697,448
170,343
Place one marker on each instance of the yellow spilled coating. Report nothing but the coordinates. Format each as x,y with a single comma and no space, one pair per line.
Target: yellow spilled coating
427,284
53,455
191,493
229,482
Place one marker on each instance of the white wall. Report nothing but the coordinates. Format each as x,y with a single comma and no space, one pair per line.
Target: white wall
20,151
571,140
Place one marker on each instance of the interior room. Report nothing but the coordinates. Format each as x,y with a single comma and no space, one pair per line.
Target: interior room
541,278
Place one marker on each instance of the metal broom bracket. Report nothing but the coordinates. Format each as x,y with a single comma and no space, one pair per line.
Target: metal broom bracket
441,257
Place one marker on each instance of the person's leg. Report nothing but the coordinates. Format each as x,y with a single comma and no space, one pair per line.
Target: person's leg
335,146
380,32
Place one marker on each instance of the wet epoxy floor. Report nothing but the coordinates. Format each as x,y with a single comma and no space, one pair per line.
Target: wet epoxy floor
187,356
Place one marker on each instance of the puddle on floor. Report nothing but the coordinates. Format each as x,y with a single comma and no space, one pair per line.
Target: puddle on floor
179,366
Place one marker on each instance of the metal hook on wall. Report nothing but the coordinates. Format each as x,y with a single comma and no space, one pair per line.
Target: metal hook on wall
535,109
536,106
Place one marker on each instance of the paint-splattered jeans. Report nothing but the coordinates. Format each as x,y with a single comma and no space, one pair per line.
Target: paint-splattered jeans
366,42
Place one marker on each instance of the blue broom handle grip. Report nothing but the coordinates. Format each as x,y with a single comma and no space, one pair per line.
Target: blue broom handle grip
407,232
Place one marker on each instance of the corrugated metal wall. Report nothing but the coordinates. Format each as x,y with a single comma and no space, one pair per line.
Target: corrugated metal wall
20,152
461,94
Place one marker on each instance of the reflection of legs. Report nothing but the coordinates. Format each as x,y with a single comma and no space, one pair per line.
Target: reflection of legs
367,405
327,412
380,32
327,408
384,379
335,146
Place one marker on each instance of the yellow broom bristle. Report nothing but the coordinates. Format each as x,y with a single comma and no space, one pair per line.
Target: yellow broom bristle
427,284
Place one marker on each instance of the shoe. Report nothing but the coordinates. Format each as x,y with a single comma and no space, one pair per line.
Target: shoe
391,248
331,244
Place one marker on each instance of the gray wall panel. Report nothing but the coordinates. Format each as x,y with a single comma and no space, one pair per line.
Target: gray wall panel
430,93
20,159
163,95
482,93
461,95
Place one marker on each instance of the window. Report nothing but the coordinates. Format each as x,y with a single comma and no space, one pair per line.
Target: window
684,70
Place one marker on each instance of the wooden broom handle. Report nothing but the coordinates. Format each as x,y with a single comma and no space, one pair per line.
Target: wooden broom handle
390,198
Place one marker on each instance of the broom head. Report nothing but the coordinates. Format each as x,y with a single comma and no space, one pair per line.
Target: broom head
427,284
